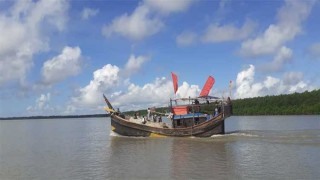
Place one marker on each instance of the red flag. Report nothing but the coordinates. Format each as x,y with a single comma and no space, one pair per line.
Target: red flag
207,86
175,82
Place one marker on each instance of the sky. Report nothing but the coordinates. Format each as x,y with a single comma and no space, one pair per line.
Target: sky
58,57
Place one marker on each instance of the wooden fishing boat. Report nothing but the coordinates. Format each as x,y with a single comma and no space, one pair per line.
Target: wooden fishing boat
186,120
202,116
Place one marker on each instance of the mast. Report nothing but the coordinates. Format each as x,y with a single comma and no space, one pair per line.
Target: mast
230,88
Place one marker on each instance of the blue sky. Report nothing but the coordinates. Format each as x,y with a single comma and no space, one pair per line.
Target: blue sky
58,57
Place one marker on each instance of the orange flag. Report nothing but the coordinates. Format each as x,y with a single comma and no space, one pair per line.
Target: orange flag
207,86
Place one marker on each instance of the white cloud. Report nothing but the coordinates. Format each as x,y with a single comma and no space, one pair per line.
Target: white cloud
87,13
146,20
246,86
68,63
104,80
186,38
169,6
300,87
221,33
186,90
283,56
314,51
244,80
137,26
270,82
22,37
289,24
156,93
42,105
292,78
108,80
112,81
216,33
134,64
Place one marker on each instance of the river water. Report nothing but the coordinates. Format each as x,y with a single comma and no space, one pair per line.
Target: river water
255,147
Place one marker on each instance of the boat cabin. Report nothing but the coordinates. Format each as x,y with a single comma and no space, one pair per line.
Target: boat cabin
188,120
189,112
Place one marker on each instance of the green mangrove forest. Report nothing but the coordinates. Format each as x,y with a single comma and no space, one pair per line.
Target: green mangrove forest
306,103
288,104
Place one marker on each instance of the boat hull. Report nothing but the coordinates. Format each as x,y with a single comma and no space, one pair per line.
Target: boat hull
206,129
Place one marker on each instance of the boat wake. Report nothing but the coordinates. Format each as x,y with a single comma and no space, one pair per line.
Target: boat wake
114,134
287,136
236,134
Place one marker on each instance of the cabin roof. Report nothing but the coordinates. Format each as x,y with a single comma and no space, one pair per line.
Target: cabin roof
198,98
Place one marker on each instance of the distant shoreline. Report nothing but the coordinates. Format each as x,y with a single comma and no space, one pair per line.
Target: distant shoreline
54,117
107,115
306,103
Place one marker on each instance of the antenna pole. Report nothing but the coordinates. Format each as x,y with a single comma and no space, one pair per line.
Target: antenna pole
230,88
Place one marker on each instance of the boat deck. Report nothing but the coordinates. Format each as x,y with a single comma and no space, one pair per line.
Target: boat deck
149,122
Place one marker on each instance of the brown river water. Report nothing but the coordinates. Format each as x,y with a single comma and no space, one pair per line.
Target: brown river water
254,147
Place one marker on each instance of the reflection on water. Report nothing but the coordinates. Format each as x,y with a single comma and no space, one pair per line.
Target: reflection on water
167,158
141,158
196,158
268,147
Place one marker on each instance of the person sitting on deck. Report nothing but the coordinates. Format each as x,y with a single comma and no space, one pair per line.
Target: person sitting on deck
208,116
196,120
144,120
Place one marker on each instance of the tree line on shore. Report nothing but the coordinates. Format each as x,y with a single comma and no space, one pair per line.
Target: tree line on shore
306,103
286,104
54,117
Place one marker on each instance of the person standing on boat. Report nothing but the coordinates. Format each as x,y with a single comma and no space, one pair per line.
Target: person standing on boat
197,107
215,112
148,116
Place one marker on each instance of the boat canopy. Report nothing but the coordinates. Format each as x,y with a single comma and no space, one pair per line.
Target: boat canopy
209,97
191,115
200,98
